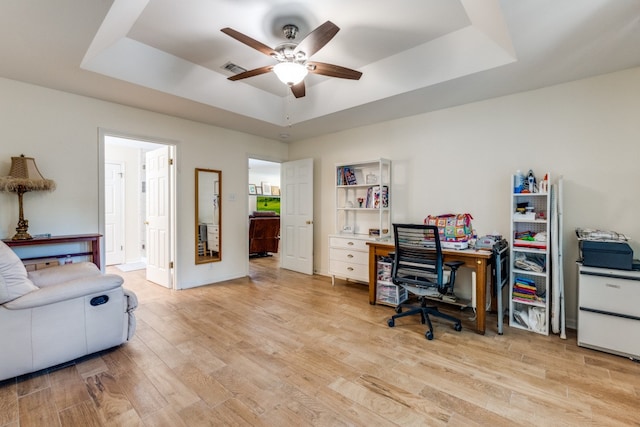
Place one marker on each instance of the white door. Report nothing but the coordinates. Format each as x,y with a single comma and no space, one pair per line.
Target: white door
158,217
114,213
296,215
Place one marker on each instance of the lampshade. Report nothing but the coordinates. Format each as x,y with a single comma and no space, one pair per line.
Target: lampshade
24,176
290,73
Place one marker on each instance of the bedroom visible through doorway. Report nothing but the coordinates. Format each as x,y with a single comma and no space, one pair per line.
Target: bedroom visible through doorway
137,231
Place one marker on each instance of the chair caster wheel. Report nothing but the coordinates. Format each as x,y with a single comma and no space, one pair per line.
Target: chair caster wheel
391,323
429,335
457,327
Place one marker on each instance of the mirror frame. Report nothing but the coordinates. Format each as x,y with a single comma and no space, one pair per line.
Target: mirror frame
205,259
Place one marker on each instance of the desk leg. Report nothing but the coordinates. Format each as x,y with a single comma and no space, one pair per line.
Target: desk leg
373,261
481,295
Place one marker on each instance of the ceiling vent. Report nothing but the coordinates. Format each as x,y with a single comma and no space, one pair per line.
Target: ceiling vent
235,69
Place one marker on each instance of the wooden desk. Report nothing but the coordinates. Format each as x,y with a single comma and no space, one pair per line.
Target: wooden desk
92,239
477,260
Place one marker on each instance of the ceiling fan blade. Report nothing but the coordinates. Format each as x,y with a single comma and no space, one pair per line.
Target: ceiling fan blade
249,41
316,39
298,90
251,73
333,70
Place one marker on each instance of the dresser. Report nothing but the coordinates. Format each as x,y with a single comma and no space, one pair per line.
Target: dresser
609,310
349,257
213,238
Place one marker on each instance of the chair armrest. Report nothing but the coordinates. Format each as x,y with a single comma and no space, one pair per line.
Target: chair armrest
63,273
66,291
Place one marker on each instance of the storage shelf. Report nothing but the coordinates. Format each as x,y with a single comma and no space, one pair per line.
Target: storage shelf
354,221
362,209
527,302
528,250
528,272
534,313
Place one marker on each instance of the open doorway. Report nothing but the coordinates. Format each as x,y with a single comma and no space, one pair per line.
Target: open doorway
138,199
264,209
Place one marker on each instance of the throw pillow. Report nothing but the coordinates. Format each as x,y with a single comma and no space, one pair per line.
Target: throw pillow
13,276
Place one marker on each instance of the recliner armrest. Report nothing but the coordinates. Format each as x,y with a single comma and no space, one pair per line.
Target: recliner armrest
66,291
63,273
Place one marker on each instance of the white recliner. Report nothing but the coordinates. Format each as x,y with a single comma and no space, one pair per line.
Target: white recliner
55,315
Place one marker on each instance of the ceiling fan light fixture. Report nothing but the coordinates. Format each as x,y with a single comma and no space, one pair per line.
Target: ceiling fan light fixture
290,73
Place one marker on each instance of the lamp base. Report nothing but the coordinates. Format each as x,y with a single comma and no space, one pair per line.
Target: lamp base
23,226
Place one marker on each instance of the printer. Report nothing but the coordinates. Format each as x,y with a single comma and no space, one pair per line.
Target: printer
607,254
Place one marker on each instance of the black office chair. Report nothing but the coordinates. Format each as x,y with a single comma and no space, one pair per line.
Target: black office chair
419,268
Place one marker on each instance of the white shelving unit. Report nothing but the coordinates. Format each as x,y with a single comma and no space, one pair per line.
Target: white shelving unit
529,289
363,213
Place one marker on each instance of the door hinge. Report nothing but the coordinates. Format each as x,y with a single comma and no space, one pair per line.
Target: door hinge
170,162
170,264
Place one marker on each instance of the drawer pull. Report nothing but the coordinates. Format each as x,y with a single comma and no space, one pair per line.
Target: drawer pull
609,285
349,256
350,268
350,243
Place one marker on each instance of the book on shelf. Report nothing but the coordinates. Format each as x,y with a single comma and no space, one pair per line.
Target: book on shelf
346,176
377,198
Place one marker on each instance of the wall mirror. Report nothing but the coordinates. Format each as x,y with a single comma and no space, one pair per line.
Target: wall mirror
208,218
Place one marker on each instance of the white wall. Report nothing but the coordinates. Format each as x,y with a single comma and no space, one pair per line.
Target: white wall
461,160
61,131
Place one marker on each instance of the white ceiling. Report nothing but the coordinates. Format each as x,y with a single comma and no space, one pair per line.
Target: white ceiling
415,55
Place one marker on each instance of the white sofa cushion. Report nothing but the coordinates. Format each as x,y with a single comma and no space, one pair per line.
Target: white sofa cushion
13,276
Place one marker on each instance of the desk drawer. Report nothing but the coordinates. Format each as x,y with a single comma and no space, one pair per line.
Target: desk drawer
349,256
349,243
349,270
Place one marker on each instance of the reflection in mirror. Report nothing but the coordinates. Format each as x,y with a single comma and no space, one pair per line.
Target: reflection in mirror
208,218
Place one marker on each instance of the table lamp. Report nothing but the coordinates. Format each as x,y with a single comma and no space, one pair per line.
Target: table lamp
24,177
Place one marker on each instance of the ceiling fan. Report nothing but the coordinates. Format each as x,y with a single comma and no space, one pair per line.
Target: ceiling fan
293,58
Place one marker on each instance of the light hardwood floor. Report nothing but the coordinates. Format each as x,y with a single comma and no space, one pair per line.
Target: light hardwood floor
284,349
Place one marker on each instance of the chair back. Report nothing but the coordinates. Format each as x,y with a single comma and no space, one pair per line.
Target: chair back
418,255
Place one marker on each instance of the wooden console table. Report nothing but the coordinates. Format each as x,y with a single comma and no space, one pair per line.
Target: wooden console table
478,260
92,239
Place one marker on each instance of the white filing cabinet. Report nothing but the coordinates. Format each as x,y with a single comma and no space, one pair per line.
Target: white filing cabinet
213,238
349,257
609,310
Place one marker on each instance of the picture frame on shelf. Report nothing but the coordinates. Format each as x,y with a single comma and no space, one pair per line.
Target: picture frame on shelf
252,189
347,229
266,189
275,190
258,190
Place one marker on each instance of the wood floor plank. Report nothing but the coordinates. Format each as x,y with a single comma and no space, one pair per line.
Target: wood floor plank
169,383
68,388
83,414
112,405
8,403
37,409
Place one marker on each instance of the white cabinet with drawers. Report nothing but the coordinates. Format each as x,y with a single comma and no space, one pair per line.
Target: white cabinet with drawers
213,238
609,310
349,257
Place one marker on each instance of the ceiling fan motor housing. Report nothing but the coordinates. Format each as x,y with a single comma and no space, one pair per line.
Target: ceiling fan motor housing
290,31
